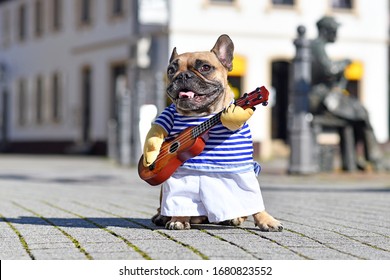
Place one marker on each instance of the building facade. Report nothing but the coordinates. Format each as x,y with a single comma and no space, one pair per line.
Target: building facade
62,58
263,33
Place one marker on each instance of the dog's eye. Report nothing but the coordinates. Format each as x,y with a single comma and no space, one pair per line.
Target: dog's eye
205,68
171,71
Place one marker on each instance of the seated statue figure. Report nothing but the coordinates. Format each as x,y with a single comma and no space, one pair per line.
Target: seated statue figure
329,96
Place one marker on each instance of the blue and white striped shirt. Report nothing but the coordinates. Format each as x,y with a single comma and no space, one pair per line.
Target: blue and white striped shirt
225,150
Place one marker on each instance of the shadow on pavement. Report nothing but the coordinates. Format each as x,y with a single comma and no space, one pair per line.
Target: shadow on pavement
93,179
90,222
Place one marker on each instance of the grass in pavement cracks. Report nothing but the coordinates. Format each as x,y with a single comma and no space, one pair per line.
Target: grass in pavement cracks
194,250
231,243
127,242
344,235
20,236
278,243
71,238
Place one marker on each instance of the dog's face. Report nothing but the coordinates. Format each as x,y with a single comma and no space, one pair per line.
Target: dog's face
198,80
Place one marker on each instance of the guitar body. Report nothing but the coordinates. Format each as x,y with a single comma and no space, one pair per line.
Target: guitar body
173,153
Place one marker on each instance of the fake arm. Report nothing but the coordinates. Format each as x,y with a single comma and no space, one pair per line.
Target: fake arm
153,142
234,117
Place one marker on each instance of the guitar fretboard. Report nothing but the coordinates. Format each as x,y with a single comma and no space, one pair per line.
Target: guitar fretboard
246,101
205,126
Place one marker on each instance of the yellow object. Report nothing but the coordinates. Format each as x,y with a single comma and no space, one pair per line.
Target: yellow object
235,91
153,142
234,117
345,92
239,66
354,71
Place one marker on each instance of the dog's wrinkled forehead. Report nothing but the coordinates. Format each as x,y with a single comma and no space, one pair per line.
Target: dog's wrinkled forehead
188,60
192,61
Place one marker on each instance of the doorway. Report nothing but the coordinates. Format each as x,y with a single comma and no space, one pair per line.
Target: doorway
86,91
280,84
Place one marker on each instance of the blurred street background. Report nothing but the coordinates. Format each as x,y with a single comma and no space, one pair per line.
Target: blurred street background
81,81
88,77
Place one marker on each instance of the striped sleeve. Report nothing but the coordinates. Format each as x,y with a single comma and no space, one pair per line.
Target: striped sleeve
166,118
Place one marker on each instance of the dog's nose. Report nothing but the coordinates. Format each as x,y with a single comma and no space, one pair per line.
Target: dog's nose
185,75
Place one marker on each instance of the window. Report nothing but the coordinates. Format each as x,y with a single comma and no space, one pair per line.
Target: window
117,7
56,97
22,102
56,15
38,18
39,100
342,4
22,21
5,28
85,12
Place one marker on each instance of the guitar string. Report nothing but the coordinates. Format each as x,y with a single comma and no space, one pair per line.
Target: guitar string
187,136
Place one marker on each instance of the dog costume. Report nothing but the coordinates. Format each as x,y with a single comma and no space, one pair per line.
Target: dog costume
219,183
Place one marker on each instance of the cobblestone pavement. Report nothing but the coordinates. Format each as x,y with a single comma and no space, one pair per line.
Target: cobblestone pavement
88,208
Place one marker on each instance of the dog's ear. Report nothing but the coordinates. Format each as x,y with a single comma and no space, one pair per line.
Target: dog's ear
224,49
173,55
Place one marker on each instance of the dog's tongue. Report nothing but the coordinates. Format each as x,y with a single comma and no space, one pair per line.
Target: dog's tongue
188,94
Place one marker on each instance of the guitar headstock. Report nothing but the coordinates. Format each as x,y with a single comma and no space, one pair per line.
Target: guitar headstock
253,98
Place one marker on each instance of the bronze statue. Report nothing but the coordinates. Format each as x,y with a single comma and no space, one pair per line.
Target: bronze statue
329,96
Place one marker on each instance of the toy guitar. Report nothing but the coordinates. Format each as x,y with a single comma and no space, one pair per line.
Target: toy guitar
191,142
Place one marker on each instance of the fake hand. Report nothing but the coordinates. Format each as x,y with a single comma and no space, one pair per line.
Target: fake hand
234,117
153,142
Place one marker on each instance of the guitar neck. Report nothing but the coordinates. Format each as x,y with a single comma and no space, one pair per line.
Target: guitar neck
206,125
248,100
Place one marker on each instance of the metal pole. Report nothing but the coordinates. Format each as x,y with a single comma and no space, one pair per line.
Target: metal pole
301,137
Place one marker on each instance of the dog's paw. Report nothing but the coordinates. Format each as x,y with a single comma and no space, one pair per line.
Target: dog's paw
233,222
160,220
178,223
266,222
199,220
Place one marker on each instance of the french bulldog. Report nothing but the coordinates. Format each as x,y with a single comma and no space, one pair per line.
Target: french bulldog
198,87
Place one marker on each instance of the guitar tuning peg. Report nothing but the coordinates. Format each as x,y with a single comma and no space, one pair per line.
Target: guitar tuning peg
257,89
253,108
264,103
259,97
245,95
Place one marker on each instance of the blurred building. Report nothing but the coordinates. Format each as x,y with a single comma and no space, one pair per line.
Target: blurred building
60,61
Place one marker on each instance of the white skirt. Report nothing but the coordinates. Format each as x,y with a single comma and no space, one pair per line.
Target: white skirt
218,196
